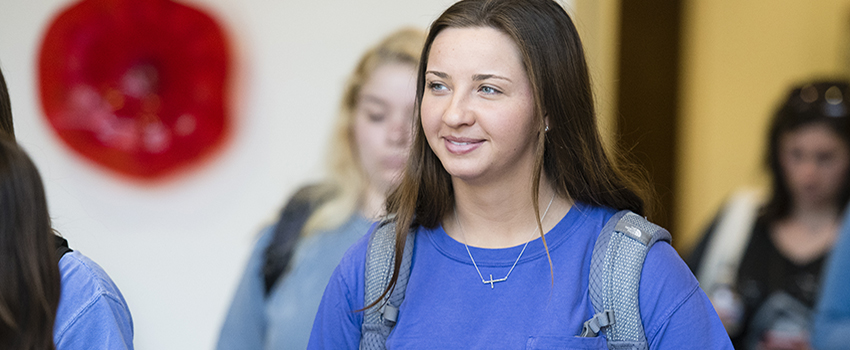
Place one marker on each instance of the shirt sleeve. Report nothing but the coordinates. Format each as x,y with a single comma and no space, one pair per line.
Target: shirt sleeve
244,326
676,312
832,316
338,321
104,324
92,313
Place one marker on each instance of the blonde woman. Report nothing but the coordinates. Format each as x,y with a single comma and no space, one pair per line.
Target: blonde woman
293,260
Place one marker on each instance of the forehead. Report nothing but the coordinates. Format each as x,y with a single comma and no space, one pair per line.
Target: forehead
475,48
815,137
393,81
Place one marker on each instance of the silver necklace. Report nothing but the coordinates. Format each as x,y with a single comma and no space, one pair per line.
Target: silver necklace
493,281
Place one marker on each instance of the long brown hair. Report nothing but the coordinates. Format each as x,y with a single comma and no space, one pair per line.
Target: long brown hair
7,127
570,153
29,273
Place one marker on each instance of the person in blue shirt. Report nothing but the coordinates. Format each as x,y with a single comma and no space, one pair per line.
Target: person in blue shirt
29,275
832,315
506,190
281,287
50,297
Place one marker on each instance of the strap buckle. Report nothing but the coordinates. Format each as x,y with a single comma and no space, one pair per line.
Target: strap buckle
389,313
597,322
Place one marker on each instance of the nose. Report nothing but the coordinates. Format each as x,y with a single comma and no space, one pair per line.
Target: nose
808,170
458,113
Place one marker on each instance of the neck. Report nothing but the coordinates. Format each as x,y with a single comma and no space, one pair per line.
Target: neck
814,216
492,217
373,203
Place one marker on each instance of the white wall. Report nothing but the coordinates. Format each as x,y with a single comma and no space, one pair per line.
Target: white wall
177,248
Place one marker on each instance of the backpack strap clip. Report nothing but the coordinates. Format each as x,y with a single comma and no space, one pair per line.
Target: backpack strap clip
389,313
597,322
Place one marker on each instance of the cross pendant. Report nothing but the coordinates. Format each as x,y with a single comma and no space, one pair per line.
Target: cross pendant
492,281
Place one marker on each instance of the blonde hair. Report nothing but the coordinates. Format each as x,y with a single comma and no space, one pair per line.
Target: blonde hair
347,180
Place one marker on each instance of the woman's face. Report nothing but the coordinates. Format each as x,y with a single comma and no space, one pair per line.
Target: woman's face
815,162
478,105
382,123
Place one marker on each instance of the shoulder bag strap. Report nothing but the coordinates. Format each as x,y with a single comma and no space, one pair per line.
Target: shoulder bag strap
614,279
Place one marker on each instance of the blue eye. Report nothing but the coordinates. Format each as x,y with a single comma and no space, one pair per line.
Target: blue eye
489,90
436,86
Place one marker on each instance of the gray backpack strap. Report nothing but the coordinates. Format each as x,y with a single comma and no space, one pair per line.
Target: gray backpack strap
378,321
615,269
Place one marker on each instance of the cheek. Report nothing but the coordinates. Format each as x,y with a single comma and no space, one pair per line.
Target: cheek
366,137
840,173
431,117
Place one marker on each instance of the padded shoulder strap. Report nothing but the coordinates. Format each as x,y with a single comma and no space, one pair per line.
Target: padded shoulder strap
287,231
725,249
614,283
378,321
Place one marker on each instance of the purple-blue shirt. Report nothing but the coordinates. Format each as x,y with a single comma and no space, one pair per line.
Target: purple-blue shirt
448,307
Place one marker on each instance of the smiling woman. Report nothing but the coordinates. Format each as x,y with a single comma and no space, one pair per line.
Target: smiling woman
506,126
478,112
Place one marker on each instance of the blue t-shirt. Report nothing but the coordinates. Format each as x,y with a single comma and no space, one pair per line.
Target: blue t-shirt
282,320
448,307
92,313
832,318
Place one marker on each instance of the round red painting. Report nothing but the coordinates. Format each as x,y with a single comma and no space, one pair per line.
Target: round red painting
138,86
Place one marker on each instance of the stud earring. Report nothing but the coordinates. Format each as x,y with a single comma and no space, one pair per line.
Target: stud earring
546,129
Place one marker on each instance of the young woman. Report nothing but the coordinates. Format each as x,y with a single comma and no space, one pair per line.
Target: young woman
30,287
507,189
766,296
367,153
50,296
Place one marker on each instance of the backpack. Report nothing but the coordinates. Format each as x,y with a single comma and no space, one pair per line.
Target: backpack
614,280
287,231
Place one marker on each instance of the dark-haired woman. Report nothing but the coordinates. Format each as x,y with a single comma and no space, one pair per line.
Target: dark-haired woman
765,284
50,296
507,189
89,313
29,274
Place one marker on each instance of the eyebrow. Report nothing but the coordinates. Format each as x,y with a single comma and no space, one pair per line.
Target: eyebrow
439,74
476,77
479,77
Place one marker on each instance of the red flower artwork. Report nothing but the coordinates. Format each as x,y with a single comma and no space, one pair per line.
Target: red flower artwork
138,86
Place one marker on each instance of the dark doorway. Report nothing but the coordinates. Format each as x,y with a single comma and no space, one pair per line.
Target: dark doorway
647,98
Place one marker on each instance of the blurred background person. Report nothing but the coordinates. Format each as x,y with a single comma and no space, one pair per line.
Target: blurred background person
282,285
761,264
51,297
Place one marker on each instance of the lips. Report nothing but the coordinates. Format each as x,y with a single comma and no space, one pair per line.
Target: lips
461,145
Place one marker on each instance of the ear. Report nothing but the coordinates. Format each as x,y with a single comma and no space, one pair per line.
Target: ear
545,122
